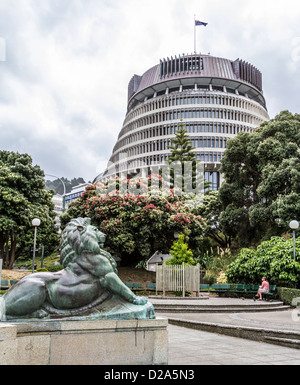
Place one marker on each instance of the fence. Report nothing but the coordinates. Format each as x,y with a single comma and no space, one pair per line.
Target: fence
178,278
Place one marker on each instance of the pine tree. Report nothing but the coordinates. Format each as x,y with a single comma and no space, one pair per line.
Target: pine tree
181,148
182,152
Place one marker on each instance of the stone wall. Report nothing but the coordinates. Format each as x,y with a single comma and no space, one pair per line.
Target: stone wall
113,342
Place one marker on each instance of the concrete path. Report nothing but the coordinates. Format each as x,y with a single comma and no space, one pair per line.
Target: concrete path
196,347
193,347
283,320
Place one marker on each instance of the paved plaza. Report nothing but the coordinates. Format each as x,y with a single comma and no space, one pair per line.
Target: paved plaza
193,347
188,346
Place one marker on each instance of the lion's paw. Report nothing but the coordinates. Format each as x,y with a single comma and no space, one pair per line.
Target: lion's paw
40,314
139,300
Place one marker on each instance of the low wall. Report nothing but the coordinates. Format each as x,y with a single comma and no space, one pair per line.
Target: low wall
113,342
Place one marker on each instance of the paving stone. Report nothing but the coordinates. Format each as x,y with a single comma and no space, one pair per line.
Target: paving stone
206,350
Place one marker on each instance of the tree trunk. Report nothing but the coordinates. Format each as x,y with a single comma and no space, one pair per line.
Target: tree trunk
13,246
6,252
1,246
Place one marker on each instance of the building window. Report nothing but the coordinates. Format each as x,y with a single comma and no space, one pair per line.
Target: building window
214,179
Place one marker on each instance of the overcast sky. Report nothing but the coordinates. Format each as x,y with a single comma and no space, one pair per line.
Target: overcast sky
65,66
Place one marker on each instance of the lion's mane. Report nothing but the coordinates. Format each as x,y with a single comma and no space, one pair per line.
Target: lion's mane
78,237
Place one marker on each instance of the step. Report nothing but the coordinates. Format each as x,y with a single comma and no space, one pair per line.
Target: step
195,309
213,306
172,306
287,342
189,302
287,338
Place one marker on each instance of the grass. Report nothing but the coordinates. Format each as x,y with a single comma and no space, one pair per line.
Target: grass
47,261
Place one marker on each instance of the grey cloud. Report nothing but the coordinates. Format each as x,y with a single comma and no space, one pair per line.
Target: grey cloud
64,84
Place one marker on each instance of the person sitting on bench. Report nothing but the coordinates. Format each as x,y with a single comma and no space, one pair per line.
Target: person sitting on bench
264,288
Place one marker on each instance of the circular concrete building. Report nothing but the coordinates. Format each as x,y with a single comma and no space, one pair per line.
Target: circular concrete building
213,98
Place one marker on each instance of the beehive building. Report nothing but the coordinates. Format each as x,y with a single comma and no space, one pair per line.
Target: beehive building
214,98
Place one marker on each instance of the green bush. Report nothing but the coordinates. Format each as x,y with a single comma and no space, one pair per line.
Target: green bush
210,278
55,268
142,264
52,269
181,253
179,293
287,295
273,259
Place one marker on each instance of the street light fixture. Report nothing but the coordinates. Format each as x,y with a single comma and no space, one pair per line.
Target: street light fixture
36,223
294,225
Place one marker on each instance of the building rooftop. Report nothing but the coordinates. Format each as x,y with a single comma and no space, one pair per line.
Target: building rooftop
203,69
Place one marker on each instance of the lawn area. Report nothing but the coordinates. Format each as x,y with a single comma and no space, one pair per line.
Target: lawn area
126,274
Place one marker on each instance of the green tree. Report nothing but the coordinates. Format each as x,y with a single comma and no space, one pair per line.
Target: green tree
182,153
211,209
137,225
261,193
181,253
181,147
273,259
23,197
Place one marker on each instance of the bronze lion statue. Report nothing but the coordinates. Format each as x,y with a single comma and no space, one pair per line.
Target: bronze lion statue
87,286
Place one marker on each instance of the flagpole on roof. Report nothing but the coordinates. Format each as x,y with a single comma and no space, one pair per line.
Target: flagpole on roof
196,24
195,36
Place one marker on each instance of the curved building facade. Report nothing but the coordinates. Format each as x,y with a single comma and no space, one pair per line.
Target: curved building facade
214,98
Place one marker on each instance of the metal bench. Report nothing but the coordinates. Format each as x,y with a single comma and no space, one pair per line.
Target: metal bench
221,288
134,286
254,289
151,286
237,288
4,284
267,296
204,287
241,288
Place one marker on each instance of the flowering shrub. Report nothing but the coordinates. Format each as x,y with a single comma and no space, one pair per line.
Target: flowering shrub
137,225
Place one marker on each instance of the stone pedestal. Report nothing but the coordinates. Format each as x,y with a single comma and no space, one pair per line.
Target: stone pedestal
111,342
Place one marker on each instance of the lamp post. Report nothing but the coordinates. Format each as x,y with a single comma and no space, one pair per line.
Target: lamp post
36,222
294,225
1,261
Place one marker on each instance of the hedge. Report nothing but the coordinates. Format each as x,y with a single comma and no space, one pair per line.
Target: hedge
273,259
287,295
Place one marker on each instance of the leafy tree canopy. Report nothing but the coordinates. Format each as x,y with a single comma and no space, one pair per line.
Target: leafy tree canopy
181,253
261,193
23,197
137,225
210,208
273,259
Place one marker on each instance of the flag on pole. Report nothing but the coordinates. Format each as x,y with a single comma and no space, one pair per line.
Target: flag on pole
197,22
